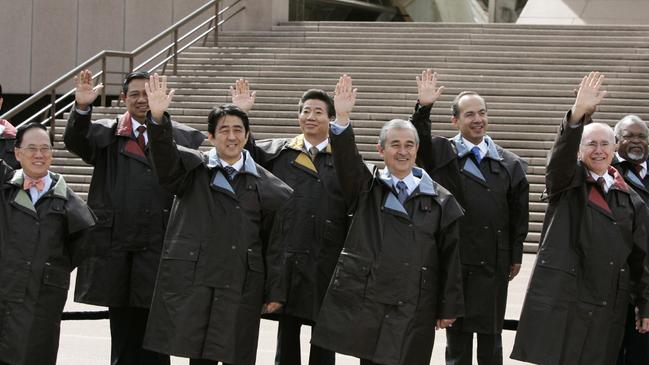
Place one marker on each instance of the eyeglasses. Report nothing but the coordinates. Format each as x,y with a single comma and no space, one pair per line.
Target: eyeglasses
32,150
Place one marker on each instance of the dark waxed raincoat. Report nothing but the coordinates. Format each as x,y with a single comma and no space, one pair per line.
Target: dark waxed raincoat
7,144
316,227
592,256
39,246
219,263
495,196
131,206
399,270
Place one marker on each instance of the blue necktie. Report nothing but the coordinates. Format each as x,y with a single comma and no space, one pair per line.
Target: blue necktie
476,152
403,192
230,172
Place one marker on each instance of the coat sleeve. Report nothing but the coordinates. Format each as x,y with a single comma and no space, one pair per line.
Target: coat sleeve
79,220
436,154
276,204
5,171
639,261
519,210
353,175
77,136
173,165
561,166
451,298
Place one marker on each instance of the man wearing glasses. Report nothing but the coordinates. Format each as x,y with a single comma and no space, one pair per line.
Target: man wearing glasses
42,230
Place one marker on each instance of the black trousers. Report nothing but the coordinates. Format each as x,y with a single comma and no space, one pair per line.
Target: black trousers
127,325
204,362
288,345
635,346
459,348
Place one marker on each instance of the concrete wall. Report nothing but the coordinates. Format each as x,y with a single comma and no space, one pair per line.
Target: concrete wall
42,39
621,12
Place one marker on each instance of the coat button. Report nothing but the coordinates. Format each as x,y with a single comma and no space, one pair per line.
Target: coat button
400,303
481,262
336,282
216,299
590,313
604,303
486,227
611,263
191,253
238,207
387,316
234,247
622,270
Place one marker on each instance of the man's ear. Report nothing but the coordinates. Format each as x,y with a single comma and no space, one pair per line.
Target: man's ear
122,96
379,149
454,120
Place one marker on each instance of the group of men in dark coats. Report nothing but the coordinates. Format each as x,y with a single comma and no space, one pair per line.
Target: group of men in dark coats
189,249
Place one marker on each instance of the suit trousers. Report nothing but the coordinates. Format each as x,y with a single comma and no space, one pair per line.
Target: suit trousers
204,362
459,348
635,347
288,345
127,326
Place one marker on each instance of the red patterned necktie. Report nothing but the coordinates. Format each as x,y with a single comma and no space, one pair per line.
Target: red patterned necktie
140,137
29,183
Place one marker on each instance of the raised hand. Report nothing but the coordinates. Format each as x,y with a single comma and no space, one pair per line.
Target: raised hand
85,93
589,96
242,96
444,323
427,90
159,98
271,307
344,99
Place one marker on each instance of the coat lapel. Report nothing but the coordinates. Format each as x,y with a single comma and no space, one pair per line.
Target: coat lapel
219,181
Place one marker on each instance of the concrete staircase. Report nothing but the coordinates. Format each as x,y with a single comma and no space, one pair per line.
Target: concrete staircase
526,74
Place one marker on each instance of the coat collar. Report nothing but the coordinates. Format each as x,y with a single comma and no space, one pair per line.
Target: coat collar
426,187
462,150
303,159
59,190
124,126
220,180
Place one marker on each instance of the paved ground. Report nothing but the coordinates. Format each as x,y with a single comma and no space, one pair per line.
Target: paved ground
88,342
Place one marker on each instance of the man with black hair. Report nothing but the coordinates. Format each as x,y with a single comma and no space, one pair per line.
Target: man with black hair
221,264
319,220
490,184
7,140
42,230
132,210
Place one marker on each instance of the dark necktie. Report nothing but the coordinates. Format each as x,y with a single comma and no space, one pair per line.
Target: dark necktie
230,172
140,137
602,185
402,192
313,152
476,153
638,169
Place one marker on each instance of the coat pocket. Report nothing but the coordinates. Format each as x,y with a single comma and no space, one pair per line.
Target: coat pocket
13,280
101,235
56,277
178,264
351,273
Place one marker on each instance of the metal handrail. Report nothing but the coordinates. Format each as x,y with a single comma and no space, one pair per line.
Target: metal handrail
173,50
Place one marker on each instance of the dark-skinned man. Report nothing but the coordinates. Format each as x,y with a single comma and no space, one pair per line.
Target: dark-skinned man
399,275
221,265
490,184
132,210
592,255
317,224
632,136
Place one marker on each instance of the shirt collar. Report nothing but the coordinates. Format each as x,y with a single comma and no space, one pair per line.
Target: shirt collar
411,180
607,178
136,125
237,165
482,146
321,146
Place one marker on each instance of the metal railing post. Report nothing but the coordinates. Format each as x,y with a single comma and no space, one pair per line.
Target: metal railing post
175,50
130,64
103,81
216,24
52,115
